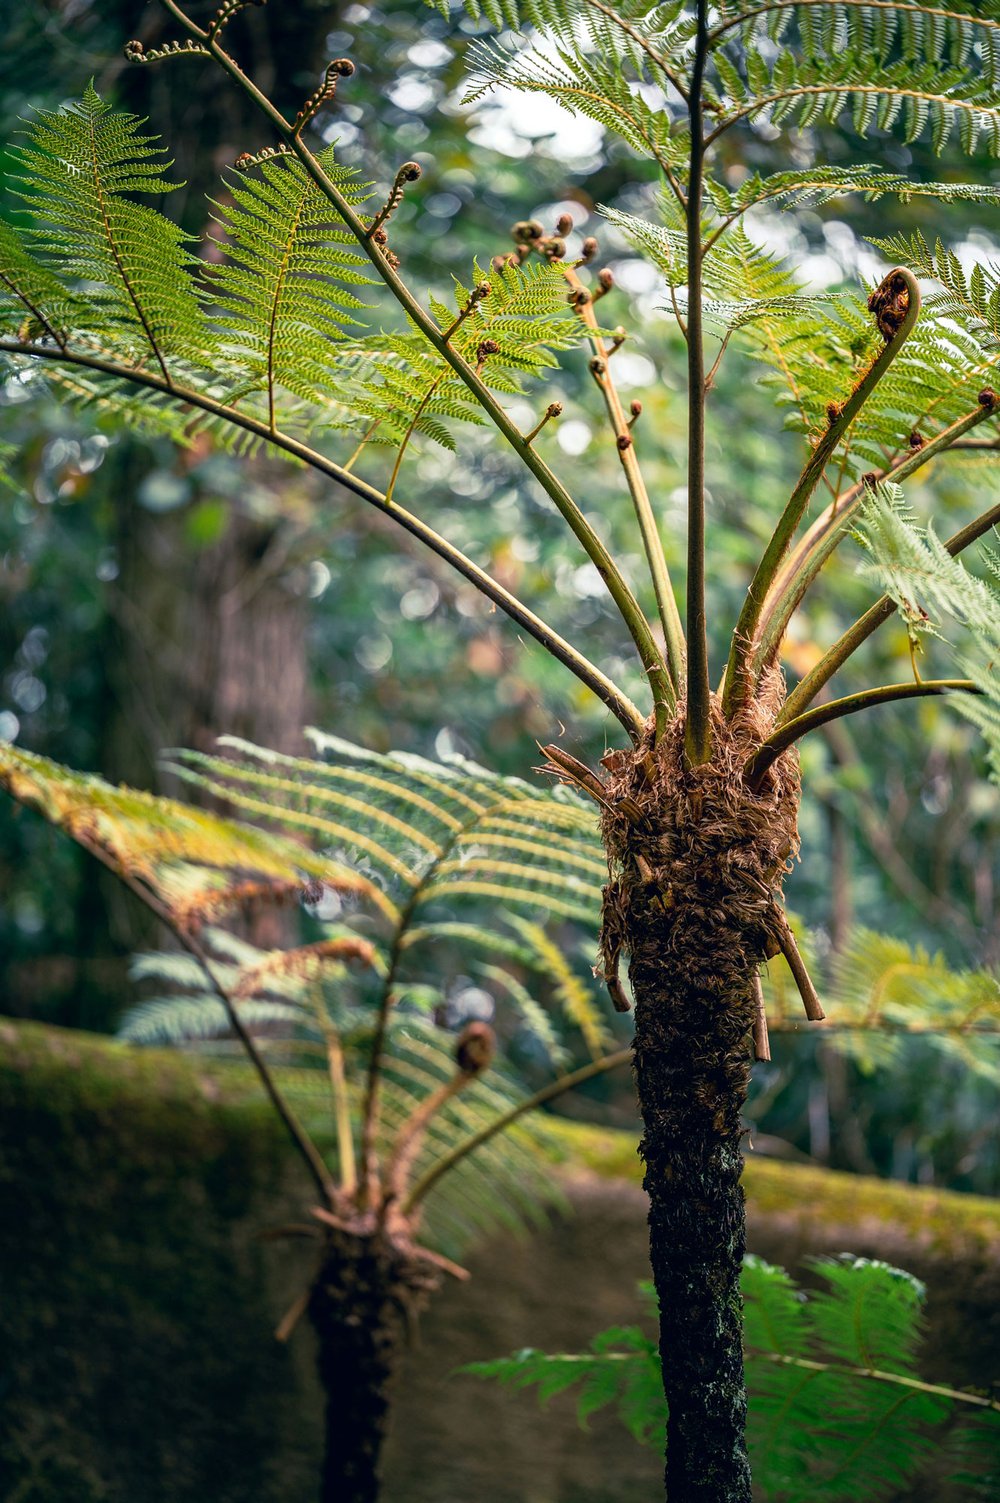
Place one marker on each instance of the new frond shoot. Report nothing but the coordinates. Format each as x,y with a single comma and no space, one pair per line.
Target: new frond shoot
303,336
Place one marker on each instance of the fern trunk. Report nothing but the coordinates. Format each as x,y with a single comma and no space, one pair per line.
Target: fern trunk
696,860
364,1299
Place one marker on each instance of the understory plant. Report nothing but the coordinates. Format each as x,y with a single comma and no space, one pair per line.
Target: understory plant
262,343
836,1364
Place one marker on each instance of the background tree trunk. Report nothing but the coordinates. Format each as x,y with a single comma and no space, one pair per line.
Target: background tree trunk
207,641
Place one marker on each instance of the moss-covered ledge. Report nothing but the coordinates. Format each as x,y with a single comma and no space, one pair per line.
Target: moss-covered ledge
814,1201
212,1106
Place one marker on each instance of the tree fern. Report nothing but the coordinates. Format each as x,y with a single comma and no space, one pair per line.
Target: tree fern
837,1411
102,299
295,1010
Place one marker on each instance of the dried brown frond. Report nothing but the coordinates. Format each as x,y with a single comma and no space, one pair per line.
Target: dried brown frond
307,962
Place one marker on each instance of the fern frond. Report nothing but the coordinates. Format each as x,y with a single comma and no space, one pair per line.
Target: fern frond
410,388
576,998
159,842
304,964
583,71
836,1366
867,1434
531,1013
76,176
809,187
882,992
925,581
285,282
741,280
504,1183
427,833
828,68
33,301
181,1020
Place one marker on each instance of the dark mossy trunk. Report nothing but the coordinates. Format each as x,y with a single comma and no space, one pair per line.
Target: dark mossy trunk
698,860
363,1304
692,1070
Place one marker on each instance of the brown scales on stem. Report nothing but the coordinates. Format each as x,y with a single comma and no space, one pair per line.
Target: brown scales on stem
697,860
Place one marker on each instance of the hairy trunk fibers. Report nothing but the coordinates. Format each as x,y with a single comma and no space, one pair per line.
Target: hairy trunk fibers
696,863
366,1295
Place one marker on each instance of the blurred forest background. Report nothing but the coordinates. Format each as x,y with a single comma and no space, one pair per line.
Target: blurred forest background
150,598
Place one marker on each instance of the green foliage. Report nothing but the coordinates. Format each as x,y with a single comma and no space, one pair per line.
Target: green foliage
928,584
502,1185
583,71
270,322
402,844
441,863
408,387
284,282
75,176
882,991
175,849
891,64
104,296
886,67
837,1411
427,832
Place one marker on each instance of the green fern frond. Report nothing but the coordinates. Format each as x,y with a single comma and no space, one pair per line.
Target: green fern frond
427,833
284,285
576,998
736,273
890,990
828,68
33,301
584,74
915,569
809,187
159,841
531,1013
836,1365
883,992
410,388
812,348
471,937
76,176
182,1020
503,1184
